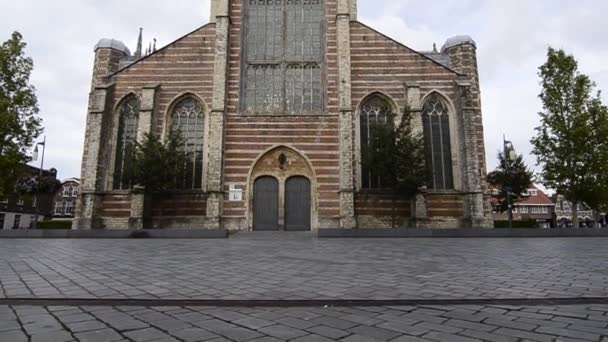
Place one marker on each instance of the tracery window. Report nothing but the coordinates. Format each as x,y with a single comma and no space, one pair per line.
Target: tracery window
283,56
128,121
188,118
376,110
436,121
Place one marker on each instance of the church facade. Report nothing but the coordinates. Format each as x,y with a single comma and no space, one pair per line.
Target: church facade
275,99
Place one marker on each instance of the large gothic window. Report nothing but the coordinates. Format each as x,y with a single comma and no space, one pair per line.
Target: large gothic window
188,119
283,56
128,121
376,110
435,117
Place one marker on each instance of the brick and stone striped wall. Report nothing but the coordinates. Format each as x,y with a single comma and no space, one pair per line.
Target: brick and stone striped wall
248,136
184,66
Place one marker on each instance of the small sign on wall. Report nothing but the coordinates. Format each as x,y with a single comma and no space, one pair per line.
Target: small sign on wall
235,193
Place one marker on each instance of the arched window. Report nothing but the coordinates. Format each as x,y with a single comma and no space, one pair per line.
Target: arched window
436,120
376,110
128,121
283,56
188,118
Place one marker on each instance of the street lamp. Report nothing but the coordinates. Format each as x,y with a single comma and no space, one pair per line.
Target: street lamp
35,158
509,154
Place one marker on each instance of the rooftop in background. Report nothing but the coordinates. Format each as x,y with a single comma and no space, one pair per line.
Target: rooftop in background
535,197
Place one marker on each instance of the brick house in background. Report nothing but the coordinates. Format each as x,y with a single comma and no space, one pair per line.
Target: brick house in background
18,212
535,206
275,100
564,215
64,203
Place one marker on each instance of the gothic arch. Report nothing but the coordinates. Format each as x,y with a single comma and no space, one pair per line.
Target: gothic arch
386,97
176,100
294,164
455,137
113,143
393,108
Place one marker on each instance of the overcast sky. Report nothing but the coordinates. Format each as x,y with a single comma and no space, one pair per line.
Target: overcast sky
512,38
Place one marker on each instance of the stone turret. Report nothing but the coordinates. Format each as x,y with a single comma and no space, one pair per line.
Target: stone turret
108,55
462,52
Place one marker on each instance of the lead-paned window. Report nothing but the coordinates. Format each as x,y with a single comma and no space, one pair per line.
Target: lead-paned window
374,111
188,119
435,117
125,146
283,56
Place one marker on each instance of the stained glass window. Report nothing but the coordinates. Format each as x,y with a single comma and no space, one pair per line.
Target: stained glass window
125,146
376,110
435,117
284,54
188,118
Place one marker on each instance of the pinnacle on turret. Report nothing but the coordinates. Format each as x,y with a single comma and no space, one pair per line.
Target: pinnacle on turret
138,51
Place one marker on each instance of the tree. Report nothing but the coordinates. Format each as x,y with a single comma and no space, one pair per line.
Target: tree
158,166
597,192
516,177
569,144
19,121
396,155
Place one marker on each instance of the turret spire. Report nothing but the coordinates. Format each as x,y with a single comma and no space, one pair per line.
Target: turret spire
138,51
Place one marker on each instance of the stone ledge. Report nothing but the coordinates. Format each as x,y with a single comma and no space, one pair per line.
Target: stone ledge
460,233
114,234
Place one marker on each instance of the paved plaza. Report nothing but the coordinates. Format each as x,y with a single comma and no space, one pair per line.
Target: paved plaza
302,267
41,281
348,324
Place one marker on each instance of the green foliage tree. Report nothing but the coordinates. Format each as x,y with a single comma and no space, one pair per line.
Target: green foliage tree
597,192
19,121
571,141
157,166
516,176
396,154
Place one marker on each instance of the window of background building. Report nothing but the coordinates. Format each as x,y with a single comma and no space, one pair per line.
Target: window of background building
58,208
69,208
17,222
20,202
2,218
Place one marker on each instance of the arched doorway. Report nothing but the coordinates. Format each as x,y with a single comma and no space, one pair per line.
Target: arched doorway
297,191
297,204
266,204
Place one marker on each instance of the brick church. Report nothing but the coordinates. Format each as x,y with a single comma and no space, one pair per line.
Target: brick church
275,99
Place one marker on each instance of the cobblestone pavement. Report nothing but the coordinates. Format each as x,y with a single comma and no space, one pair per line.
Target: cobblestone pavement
357,324
280,266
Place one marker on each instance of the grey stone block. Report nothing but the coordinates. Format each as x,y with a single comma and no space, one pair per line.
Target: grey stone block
13,336
375,333
194,334
329,332
283,332
59,336
105,335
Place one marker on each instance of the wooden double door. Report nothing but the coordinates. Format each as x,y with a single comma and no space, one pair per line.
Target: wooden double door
267,200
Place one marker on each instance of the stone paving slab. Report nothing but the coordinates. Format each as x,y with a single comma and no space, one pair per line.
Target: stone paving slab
312,324
300,267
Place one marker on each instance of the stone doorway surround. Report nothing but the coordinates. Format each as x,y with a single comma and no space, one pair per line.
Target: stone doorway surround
282,163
